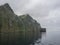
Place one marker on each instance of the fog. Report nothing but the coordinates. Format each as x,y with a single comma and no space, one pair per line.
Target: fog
46,12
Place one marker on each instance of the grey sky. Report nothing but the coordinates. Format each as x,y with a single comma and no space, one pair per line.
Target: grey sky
47,12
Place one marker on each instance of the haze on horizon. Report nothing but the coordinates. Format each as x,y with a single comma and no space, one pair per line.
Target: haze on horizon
46,12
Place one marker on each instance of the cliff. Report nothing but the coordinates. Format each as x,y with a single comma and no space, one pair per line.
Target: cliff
17,30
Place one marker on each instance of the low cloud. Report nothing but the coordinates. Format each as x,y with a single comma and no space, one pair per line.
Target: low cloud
47,12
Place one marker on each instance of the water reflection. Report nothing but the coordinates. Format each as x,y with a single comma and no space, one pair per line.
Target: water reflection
51,37
23,41
38,42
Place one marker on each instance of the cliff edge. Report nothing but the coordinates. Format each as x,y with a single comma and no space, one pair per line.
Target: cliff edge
17,30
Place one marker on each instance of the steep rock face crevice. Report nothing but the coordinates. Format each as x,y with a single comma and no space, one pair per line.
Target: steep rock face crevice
17,30
32,28
0,22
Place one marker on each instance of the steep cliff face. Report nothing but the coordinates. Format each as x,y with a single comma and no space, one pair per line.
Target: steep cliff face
10,25
16,30
32,28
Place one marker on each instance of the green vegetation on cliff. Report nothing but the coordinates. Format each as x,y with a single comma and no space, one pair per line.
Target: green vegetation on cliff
16,30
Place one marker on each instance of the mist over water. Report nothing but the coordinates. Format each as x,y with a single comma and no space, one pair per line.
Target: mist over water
51,37
46,12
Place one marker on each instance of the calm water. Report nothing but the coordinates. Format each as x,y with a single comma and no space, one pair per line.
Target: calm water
51,37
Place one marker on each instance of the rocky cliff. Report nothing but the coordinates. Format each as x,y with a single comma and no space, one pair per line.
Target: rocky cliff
17,30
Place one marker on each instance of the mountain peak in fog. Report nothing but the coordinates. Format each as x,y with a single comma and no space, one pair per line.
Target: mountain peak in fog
6,6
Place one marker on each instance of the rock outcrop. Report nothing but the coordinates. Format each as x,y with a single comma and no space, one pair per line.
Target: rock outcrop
17,30
43,30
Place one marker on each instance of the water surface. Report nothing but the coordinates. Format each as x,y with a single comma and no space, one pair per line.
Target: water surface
51,37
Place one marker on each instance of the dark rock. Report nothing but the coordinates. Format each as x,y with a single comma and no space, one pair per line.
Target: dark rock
43,30
17,30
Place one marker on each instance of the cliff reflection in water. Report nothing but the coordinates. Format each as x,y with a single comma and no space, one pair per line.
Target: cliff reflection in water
17,30
39,41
